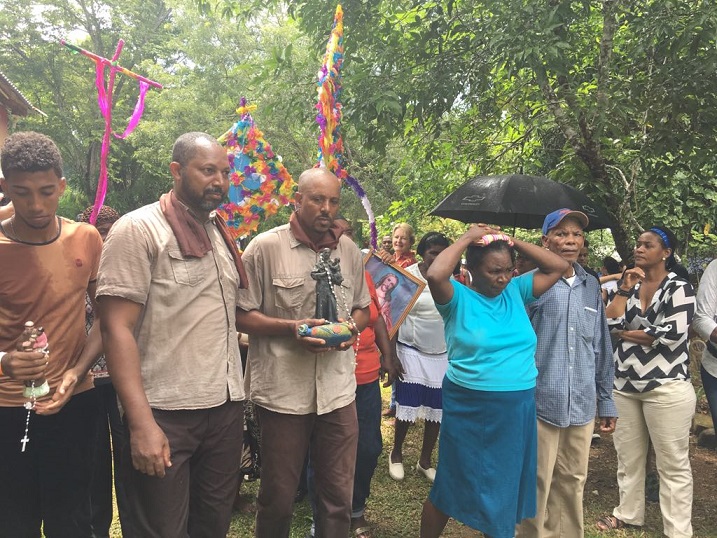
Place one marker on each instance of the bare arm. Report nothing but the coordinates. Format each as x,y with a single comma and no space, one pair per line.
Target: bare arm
149,445
550,266
617,306
258,323
441,270
638,337
255,322
360,317
610,278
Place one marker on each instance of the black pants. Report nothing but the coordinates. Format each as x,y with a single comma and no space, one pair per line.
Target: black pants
109,423
50,482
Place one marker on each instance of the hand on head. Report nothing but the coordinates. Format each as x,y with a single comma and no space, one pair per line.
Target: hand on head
477,231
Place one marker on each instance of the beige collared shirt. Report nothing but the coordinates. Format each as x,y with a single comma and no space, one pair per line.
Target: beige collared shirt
282,376
186,332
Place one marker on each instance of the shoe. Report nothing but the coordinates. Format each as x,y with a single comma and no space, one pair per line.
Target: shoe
395,470
362,532
390,412
429,473
611,523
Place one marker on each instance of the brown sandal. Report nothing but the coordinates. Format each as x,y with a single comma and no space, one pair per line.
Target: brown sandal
611,523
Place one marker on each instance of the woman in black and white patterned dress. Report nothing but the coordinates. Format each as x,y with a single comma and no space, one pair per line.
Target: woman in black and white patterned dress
651,312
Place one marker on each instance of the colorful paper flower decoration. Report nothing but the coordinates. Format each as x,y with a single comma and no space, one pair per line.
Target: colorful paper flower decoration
259,182
328,116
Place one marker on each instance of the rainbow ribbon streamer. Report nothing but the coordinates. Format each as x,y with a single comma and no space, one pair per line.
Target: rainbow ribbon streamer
259,182
104,101
331,145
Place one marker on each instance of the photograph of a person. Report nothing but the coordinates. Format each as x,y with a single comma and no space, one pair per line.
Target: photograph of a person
396,289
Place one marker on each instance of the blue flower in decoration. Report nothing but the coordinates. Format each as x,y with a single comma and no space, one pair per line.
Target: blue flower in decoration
253,182
240,161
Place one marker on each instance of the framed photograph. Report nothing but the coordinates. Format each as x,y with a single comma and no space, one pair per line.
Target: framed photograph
397,290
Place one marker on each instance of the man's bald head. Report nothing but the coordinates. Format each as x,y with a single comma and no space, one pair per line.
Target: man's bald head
186,146
317,201
312,175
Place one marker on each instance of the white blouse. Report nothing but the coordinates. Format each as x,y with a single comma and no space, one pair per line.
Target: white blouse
423,327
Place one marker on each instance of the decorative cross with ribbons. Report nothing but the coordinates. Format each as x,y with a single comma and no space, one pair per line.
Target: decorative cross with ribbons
105,90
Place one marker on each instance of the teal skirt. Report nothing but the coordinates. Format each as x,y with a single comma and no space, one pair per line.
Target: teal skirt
487,457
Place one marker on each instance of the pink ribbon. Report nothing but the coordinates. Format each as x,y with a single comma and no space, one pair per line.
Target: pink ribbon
104,101
138,110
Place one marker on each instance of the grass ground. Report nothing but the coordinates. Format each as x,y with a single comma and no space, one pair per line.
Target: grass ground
394,508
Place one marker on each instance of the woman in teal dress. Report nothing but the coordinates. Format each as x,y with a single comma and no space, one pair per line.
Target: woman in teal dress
486,476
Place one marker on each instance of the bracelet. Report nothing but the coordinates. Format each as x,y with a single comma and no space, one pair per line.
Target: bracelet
622,293
2,356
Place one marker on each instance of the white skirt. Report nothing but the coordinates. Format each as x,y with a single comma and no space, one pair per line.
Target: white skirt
419,395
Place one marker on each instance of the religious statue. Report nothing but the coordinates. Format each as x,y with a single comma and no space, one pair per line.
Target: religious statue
327,273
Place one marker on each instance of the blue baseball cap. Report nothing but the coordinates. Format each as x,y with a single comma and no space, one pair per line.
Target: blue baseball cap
556,217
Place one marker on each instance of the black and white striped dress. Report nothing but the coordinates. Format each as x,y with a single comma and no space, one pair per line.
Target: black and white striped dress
641,368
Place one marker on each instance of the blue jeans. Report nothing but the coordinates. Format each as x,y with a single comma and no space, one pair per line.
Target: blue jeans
709,383
368,409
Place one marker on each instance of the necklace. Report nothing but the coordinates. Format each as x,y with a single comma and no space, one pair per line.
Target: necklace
346,306
29,406
16,237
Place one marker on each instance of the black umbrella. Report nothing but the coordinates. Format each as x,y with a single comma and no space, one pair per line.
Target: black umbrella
517,201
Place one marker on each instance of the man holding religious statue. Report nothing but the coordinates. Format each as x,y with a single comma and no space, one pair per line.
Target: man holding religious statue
304,386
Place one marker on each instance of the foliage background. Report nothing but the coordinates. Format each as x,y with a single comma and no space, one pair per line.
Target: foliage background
616,98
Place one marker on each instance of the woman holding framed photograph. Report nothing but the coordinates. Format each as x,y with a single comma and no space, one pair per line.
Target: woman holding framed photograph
421,348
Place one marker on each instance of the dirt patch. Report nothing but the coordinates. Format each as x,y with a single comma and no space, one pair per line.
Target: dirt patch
601,492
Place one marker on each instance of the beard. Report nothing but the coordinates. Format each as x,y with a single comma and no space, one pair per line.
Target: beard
210,204
203,201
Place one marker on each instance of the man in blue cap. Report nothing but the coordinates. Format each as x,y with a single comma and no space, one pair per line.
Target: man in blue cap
575,373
